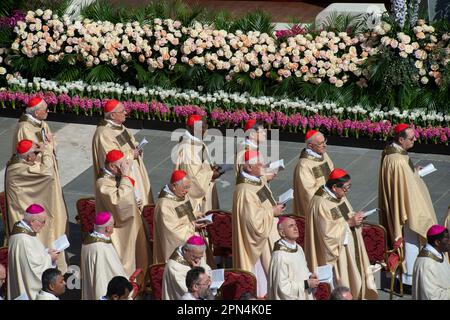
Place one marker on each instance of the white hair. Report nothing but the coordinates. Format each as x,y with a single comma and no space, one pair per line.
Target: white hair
191,247
31,217
101,228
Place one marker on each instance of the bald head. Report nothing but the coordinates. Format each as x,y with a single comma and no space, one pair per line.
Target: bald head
288,230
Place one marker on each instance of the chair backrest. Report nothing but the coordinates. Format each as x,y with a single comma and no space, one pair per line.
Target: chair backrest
86,214
236,283
301,229
3,210
323,291
4,262
220,231
375,241
148,213
395,256
155,279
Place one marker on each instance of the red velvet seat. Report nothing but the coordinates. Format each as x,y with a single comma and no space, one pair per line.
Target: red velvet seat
236,283
301,229
135,283
3,214
154,280
4,261
86,215
375,241
220,234
148,213
323,291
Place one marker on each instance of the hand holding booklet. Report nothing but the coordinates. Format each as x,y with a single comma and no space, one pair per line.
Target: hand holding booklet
429,168
206,219
285,197
325,273
142,144
370,212
61,243
276,166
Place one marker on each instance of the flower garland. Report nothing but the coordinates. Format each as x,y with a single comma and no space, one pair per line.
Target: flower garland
292,122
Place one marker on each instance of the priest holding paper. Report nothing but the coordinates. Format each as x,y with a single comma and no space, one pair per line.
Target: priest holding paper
403,197
27,256
191,254
112,134
174,219
336,237
193,157
99,260
31,175
115,193
311,171
254,226
431,276
289,277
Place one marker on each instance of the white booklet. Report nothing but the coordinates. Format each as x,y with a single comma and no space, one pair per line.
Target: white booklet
325,273
217,278
142,144
287,196
206,219
61,243
23,296
429,168
370,212
276,166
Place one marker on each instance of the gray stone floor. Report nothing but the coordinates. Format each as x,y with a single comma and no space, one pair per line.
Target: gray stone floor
362,164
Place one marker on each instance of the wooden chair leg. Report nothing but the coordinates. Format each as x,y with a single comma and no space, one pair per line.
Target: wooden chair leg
392,285
400,276
223,258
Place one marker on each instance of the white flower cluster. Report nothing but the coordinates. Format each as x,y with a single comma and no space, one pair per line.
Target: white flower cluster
2,61
217,99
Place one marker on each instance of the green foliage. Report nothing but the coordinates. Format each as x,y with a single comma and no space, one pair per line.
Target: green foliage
101,73
34,67
7,6
345,23
223,21
254,21
176,10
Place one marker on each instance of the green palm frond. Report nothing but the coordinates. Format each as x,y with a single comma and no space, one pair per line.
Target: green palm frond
344,22
30,67
194,76
6,37
7,7
100,10
142,75
255,21
101,73
214,82
223,21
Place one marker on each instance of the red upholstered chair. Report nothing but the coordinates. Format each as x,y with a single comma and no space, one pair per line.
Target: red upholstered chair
147,213
86,215
323,291
236,283
4,215
4,261
220,236
135,283
375,241
154,279
301,229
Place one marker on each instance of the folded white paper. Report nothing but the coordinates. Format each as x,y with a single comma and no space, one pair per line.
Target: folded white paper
23,296
276,166
206,219
217,278
285,197
325,273
142,144
370,212
429,168
61,243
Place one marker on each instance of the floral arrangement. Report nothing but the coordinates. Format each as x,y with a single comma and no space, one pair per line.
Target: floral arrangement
230,110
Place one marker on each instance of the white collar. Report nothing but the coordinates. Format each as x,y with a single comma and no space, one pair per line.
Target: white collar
167,189
33,119
24,224
432,250
113,123
48,294
329,192
250,143
397,146
190,136
288,244
312,153
189,294
109,172
103,298
250,177
99,235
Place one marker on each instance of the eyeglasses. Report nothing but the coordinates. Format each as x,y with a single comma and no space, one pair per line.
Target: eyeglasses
346,188
321,143
123,111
